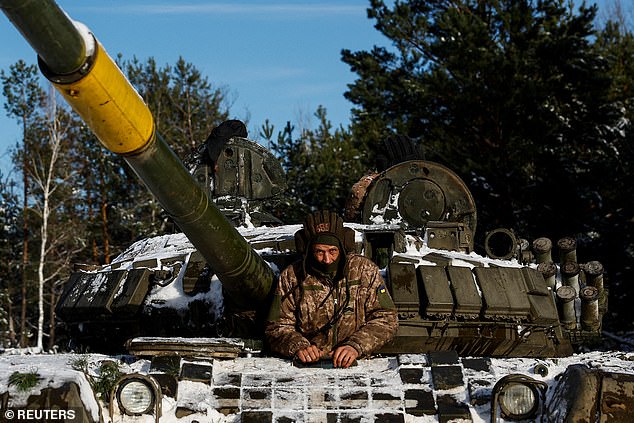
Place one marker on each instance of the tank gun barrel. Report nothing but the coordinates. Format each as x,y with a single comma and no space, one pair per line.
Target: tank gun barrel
81,70
49,31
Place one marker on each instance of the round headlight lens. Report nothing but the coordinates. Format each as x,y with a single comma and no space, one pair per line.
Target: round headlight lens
518,400
135,396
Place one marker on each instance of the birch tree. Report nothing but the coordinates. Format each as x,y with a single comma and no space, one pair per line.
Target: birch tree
50,177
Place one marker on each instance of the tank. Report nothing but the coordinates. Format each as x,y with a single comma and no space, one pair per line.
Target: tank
416,220
509,334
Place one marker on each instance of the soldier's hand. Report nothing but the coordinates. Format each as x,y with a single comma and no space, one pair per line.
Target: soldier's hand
309,354
344,356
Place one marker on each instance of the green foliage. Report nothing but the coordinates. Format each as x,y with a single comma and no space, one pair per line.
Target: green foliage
10,240
79,363
21,89
103,380
109,373
613,174
24,102
24,381
321,165
616,44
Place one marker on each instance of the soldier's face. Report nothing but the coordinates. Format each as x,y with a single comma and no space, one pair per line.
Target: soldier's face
325,253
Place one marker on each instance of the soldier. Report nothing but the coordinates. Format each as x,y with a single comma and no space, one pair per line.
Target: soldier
333,302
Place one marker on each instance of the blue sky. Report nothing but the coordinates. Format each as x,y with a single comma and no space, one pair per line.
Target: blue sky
278,60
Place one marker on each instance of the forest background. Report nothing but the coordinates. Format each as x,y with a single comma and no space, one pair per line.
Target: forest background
530,102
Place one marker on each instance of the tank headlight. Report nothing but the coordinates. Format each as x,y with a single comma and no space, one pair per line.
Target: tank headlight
136,394
518,396
518,400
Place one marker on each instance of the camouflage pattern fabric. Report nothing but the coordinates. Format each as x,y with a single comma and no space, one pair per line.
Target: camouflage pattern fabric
302,311
354,202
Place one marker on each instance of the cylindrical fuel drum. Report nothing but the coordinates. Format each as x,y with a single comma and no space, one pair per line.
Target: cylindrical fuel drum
594,275
566,304
567,250
570,275
589,308
549,272
542,248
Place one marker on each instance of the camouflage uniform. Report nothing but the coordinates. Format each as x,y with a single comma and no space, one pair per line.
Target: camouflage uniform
305,310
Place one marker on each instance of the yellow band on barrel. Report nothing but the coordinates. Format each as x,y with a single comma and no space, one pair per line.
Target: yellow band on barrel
110,106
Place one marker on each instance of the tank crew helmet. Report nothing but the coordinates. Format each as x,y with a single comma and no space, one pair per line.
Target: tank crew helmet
324,227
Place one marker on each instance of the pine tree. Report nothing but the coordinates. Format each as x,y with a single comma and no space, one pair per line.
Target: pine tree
10,241
23,99
507,93
614,172
321,165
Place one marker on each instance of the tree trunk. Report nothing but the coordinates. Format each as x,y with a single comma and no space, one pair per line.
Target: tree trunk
47,185
91,212
40,273
51,312
104,217
46,182
91,218
25,238
11,325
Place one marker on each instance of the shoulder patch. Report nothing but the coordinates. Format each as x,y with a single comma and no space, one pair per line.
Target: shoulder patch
384,298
